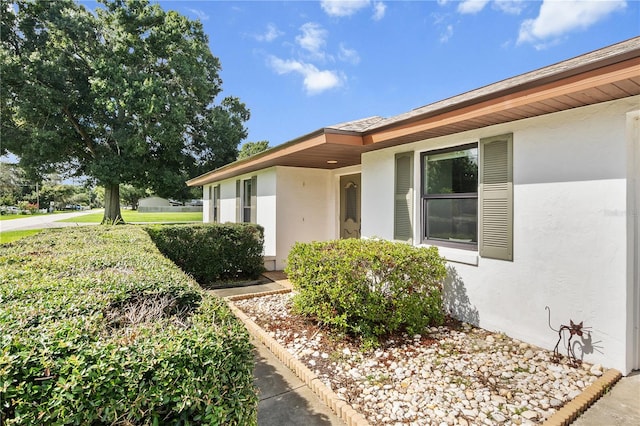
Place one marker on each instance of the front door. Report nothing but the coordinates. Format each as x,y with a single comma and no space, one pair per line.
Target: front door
350,206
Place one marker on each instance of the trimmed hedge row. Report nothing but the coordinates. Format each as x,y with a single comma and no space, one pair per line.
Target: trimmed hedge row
213,253
369,288
97,327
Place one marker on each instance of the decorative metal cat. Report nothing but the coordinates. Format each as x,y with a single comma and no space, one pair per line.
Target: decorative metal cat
574,329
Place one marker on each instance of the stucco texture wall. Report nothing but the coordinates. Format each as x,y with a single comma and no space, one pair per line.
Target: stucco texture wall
570,231
305,208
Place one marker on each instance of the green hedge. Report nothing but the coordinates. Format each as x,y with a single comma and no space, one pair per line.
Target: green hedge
97,327
369,288
213,253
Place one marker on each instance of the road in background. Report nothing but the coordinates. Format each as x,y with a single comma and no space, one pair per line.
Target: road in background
44,221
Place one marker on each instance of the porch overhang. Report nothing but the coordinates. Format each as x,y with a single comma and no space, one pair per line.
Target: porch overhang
323,149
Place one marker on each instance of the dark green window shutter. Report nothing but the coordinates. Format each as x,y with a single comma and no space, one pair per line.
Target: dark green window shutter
254,198
403,202
496,197
238,202
216,203
210,204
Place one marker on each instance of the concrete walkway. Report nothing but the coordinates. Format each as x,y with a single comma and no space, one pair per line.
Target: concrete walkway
285,400
44,221
620,406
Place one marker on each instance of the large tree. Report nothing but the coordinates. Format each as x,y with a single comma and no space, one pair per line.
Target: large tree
123,94
249,149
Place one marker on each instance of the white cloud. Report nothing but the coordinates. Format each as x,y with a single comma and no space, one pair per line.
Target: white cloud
312,39
315,81
348,55
446,34
200,14
471,6
271,33
342,8
512,7
379,10
558,17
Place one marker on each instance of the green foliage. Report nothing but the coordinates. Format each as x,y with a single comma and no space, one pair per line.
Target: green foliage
369,288
122,94
252,148
213,253
97,327
130,195
63,194
9,236
12,180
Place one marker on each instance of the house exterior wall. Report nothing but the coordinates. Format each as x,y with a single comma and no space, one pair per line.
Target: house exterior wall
305,208
265,204
571,230
207,204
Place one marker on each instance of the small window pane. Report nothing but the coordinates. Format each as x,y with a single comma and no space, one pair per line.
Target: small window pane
246,201
351,199
453,220
454,172
246,194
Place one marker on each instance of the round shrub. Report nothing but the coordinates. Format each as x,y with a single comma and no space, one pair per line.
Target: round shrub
98,328
213,253
368,288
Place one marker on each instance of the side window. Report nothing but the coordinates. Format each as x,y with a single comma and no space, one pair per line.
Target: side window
246,198
450,197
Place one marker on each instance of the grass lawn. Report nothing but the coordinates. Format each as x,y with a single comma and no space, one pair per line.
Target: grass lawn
132,216
8,236
19,216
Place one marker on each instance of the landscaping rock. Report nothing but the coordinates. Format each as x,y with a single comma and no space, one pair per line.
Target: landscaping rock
454,374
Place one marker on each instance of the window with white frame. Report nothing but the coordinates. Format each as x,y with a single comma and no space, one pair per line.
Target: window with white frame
450,197
467,197
246,200
246,196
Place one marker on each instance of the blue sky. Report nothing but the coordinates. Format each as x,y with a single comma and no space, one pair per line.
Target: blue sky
303,65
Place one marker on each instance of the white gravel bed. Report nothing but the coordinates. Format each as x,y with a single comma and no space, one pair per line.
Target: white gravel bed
447,376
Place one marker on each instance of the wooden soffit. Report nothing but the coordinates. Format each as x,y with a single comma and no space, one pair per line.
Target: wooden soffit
609,83
323,149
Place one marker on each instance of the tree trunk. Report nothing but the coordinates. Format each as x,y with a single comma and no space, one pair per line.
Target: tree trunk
112,205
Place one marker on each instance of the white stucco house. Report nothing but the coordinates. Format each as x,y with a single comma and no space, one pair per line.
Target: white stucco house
530,187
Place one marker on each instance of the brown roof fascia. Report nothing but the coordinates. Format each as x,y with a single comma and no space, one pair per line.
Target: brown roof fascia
599,59
448,116
259,160
272,156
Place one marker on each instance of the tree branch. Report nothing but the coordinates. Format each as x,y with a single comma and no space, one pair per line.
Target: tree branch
82,132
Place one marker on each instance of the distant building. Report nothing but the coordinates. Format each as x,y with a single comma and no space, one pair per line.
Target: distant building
159,204
153,202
